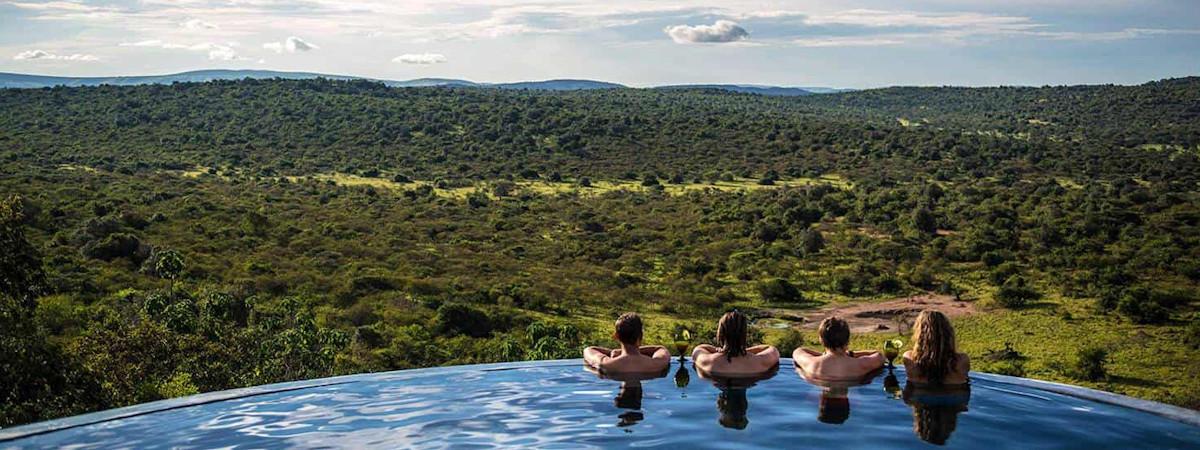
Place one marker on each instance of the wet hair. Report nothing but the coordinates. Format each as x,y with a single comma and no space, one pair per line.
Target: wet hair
629,397
934,424
833,410
834,333
732,332
732,405
629,328
934,351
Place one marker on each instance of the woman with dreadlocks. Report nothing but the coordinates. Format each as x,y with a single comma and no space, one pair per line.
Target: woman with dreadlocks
735,357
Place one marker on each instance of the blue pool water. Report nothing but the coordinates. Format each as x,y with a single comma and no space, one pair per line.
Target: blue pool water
558,404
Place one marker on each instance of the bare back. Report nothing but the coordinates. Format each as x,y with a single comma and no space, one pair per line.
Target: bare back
757,360
958,375
832,366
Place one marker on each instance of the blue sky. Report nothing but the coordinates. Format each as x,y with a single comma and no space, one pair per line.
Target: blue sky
636,42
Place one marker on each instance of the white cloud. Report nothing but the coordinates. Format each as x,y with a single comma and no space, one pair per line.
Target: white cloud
721,31
894,19
44,55
216,51
847,41
420,58
292,44
52,6
197,24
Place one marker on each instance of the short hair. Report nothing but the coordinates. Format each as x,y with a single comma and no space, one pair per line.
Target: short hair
629,328
834,332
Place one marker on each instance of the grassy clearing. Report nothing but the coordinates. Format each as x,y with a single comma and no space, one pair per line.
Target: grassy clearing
1147,362
542,187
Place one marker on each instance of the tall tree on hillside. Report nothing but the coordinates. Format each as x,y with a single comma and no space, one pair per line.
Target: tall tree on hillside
37,380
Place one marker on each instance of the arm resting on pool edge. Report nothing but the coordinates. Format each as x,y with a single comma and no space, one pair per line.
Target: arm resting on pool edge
704,349
870,360
655,351
594,356
766,355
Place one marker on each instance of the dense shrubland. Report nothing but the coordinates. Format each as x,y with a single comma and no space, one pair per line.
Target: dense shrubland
131,275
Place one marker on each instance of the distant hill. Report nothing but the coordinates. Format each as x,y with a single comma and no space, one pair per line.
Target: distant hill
744,88
16,80
431,82
559,85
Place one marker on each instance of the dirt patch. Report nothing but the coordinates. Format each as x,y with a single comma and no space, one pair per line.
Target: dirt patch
894,315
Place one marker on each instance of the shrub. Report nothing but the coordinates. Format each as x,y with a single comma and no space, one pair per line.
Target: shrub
1142,309
1003,272
887,283
993,258
1090,364
779,290
788,342
1191,334
1016,294
454,319
812,242
113,246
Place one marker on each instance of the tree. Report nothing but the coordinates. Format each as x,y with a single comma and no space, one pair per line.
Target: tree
779,290
812,242
924,221
650,179
21,277
169,265
37,379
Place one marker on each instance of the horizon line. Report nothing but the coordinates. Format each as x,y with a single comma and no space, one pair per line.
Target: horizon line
624,85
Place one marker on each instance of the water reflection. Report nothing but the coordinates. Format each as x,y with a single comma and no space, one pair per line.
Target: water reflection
935,409
732,403
629,396
834,405
682,378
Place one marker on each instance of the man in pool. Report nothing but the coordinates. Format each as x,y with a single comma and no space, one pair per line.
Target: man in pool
836,362
632,357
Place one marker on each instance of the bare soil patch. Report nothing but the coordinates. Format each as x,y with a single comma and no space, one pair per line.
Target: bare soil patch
895,315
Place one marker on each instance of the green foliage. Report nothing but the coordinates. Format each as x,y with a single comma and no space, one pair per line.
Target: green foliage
812,242
454,319
412,227
1016,293
788,341
779,290
169,264
1090,364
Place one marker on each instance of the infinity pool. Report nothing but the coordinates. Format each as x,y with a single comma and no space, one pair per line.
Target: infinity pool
559,404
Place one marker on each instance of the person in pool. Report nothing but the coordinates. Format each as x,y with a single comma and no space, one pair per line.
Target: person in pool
837,362
632,357
734,357
834,406
935,359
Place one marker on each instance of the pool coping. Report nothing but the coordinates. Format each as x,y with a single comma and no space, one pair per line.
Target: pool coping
1171,412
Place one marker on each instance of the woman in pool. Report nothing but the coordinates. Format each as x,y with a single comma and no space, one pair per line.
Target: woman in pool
734,358
934,359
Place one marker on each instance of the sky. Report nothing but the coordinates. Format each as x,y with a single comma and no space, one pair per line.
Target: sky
848,43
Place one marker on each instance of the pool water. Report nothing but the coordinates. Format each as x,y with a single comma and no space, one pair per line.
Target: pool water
559,404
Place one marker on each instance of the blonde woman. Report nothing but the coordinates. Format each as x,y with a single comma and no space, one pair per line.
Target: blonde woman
934,359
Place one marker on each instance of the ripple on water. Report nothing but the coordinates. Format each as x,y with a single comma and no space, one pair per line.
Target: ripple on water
562,406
